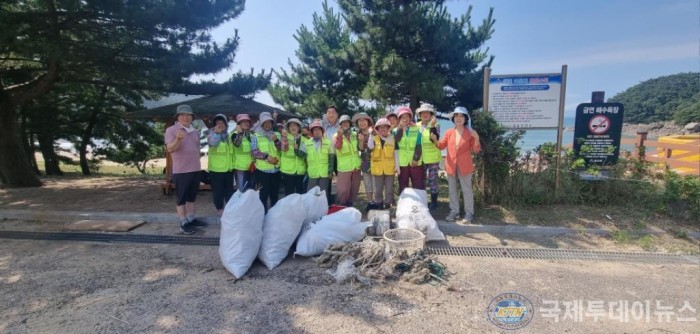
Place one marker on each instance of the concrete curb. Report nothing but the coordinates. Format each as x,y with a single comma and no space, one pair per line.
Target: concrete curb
61,216
447,228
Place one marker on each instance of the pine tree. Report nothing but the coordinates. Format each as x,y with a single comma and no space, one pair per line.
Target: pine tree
413,51
142,45
324,74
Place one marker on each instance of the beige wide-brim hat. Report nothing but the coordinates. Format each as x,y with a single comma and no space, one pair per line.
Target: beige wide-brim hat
344,118
360,116
426,107
295,121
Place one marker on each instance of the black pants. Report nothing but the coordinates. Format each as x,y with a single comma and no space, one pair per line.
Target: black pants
221,188
333,169
269,186
293,184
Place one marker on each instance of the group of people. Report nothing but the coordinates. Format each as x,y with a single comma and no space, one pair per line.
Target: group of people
263,155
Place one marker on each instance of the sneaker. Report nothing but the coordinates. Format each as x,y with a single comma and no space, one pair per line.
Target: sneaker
452,217
187,228
198,223
468,217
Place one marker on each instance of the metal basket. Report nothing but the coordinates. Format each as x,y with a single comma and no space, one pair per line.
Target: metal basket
405,239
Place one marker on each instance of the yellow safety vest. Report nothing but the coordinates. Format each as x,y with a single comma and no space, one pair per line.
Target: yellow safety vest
290,163
317,160
265,145
243,157
348,157
221,157
382,158
407,146
430,154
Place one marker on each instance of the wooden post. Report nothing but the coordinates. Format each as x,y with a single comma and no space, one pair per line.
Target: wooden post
484,108
560,128
639,145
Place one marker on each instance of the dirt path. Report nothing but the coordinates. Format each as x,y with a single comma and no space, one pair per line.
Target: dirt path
68,287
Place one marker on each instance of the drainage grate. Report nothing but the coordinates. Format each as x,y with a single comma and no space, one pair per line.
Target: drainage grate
109,237
496,252
565,254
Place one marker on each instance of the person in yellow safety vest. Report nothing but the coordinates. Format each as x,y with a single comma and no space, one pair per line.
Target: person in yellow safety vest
265,146
243,162
385,164
431,155
220,162
348,162
363,123
292,161
317,153
408,141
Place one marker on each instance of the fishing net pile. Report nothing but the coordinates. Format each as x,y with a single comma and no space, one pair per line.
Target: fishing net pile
371,261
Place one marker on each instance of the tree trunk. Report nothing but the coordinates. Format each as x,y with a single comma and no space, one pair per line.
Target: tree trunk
51,162
28,143
414,99
84,140
15,170
87,134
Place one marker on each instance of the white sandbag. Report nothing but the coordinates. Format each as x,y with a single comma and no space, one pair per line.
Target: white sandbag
416,194
316,203
340,227
281,227
412,212
241,231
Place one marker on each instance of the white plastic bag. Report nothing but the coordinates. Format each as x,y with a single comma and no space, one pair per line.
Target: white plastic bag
316,204
340,227
412,212
281,227
241,231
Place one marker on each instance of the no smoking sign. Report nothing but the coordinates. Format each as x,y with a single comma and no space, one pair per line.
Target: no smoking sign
598,129
599,124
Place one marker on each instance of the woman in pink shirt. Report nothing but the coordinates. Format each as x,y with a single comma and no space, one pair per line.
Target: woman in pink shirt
460,141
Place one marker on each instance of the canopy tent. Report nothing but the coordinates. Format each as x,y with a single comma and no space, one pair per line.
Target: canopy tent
208,106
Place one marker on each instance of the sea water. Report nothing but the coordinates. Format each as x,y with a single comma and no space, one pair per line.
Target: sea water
533,138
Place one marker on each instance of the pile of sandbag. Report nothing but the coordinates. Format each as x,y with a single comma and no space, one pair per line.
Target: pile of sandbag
412,212
247,233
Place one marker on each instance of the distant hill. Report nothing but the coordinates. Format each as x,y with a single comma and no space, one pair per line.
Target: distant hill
674,97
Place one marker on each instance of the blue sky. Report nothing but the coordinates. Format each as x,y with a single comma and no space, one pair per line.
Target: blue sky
608,45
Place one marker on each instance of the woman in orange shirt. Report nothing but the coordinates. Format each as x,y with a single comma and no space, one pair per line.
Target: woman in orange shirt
460,142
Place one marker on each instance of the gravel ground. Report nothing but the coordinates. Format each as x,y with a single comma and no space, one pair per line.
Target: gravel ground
84,287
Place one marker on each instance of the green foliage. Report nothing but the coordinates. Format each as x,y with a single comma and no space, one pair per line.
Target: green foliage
688,111
661,99
413,51
324,73
499,154
682,189
136,143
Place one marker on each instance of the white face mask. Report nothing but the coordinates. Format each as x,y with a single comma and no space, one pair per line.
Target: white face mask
189,129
